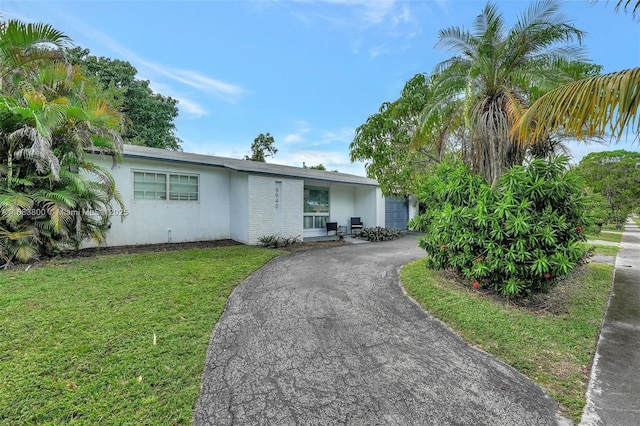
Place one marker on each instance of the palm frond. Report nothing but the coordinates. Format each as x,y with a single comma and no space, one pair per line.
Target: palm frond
39,152
23,43
586,108
14,206
64,196
624,4
21,244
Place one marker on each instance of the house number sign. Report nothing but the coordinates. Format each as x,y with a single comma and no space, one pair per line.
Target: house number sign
277,197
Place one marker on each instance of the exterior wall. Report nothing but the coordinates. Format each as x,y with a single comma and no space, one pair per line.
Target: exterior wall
380,208
341,204
162,221
239,207
275,207
347,201
414,209
369,206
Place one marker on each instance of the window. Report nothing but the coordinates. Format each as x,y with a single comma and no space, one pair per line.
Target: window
183,187
316,207
155,186
149,186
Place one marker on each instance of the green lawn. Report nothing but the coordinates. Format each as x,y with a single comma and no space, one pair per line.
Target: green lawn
602,249
612,227
553,349
122,339
116,339
614,237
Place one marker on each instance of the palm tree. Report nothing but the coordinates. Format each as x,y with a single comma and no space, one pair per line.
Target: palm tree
595,106
23,45
496,72
604,104
50,196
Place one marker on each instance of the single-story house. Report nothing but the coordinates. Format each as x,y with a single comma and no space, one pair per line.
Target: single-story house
173,196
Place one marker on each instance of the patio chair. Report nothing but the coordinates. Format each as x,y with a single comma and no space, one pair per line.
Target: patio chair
356,223
332,226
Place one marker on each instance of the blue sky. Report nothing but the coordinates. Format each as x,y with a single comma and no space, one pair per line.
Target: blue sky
308,72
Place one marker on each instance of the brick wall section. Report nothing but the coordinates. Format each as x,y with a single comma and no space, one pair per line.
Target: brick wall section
267,219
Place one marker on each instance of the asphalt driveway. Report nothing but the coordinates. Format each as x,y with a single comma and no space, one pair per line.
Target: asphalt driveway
327,337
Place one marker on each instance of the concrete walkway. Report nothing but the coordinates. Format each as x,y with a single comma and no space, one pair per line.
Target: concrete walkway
327,337
613,397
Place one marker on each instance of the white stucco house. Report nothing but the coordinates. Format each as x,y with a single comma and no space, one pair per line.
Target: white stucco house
176,197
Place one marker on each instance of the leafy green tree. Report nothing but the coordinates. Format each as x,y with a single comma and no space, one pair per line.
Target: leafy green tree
262,147
318,167
149,116
497,71
614,175
597,210
50,196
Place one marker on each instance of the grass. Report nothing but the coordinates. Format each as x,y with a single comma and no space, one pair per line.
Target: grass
612,227
614,237
554,350
602,249
116,339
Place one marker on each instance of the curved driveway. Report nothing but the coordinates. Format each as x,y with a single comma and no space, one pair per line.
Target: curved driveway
327,337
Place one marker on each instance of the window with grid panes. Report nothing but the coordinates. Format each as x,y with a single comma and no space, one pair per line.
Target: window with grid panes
183,187
149,186
155,186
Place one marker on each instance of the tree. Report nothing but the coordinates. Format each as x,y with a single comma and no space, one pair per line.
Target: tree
24,46
496,72
149,116
262,147
615,175
318,167
588,107
50,196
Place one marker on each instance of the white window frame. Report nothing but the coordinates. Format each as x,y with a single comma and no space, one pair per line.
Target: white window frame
316,220
169,192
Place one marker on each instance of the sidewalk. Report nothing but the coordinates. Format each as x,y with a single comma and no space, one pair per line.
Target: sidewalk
614,388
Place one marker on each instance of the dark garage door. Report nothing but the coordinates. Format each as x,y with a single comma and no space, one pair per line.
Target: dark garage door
396,212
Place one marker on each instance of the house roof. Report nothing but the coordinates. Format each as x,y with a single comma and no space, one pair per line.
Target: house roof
135,151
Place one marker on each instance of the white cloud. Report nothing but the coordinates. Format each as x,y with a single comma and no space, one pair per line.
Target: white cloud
292,138
378,50
342,136
367,12
216,88
153,71
298,135
192,109
331,160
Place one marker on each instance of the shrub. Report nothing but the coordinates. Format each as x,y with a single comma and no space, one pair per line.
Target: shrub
378,233
277,241
517,237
